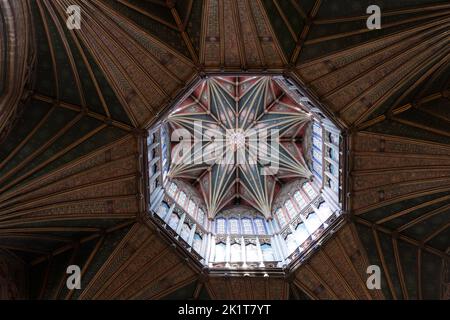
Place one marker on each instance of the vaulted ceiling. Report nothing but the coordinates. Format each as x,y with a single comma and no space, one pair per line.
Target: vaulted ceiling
71,176
236,118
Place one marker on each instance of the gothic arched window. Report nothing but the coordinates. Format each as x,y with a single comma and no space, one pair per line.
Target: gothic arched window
220,226
233,225
197,244
181,198
191,208
299,199
172,189
185,231
281,218
173,221
259,225
201,216
309,190
163,209
247,227
290,209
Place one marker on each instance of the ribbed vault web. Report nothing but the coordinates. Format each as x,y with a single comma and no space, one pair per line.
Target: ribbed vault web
245,139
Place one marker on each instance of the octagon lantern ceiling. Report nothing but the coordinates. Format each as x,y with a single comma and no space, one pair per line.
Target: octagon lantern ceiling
245,172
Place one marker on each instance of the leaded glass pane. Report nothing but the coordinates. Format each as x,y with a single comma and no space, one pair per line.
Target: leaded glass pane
234,226
247,226
259,224
220,226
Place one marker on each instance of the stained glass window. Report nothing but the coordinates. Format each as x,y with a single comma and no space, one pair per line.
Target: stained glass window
318,144
259,224
185,232
173,221
197,244
317,155
181,198
317,129
333,138
150,139
247,226
234,226
309,190
220,226
172,189
299,199
200,216
332,169
281,218
332,154
317,168
162,211
332,184
290,209
191,207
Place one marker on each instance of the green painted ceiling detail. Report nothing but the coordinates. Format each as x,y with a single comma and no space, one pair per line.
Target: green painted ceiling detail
402,130
414,228
44,66
84,64
49,286
182,293
68,91
112,102
387,210
24,126
289,18
193,28
63,136
109,243
143,14
285,37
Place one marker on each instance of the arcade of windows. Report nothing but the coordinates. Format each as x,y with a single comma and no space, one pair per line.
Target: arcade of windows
245,239
249,240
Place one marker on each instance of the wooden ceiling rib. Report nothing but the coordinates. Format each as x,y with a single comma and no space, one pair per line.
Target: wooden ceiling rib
70,174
